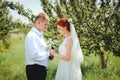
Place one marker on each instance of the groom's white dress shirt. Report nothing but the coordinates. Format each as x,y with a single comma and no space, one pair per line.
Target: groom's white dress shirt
36,48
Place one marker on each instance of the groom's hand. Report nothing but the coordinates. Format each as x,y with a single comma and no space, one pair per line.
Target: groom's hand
51,57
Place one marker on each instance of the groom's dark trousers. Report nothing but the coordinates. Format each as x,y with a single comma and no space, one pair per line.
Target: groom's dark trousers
36,72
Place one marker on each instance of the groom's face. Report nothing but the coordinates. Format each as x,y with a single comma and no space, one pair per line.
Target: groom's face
43,25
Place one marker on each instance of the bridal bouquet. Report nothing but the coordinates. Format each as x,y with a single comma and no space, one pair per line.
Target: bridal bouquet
51,43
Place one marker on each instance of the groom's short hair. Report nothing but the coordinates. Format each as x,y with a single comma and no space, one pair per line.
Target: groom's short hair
42,17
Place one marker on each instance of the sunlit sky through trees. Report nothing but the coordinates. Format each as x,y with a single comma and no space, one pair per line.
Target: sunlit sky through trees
34,5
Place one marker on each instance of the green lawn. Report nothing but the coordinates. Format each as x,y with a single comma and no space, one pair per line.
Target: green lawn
12,65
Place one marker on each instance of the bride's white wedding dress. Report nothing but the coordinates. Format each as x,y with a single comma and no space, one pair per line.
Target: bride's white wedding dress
68,70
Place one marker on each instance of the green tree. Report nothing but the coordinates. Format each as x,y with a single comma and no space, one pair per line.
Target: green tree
6,21
97,28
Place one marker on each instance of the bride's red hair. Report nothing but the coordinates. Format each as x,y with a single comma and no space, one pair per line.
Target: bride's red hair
63,22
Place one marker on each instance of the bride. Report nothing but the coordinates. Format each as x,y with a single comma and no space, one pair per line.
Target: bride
70,53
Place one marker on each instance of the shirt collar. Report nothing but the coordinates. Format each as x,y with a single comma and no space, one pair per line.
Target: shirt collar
37,31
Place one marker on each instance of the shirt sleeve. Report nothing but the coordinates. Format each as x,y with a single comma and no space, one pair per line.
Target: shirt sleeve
36,50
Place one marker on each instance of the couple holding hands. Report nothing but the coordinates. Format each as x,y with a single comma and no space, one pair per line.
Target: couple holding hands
37,56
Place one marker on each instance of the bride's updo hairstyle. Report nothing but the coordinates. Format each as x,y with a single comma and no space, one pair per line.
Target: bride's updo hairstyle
63,22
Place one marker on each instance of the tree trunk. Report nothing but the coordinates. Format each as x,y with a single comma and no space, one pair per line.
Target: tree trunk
103,61
102,3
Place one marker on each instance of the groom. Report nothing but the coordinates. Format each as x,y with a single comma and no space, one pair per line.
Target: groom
37,55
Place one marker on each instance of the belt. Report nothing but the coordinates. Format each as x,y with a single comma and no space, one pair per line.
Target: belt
41,66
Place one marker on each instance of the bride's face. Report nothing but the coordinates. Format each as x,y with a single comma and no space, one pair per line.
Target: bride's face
61,30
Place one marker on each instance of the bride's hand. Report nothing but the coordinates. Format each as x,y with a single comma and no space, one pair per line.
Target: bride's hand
51,55
52,51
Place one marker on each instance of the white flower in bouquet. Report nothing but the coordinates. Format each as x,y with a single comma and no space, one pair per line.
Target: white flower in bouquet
51,43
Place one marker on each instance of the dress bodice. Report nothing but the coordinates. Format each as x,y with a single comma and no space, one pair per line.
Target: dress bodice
62,47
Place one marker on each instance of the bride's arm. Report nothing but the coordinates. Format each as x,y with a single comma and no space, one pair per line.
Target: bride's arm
68,51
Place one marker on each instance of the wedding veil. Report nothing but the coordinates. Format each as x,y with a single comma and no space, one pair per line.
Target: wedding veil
76,49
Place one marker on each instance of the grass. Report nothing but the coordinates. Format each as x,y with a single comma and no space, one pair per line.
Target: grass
12,65
12,62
